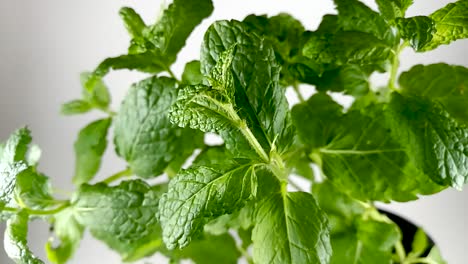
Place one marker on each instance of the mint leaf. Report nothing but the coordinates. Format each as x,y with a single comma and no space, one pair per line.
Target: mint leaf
347,248
76,107
154,47
354,15
192,73
69,233
451,23
299,234
199,194
348,47
417,30
12,163
350,79
33,190
125,217
96,92
209,249
362,157
133,22
32,156
15,243
391,9
89,148
259,99
312,119
420,243
435,140
436,256
144,137
448,88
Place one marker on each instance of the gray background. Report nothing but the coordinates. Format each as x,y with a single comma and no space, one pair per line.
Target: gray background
45,44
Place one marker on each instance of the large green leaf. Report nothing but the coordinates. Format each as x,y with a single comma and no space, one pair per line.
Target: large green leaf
354,15
259,99
391,9
451,23
440,82
360,155
125,217
290,228
417,30
89,148
144,136
15,241
199,194
438,143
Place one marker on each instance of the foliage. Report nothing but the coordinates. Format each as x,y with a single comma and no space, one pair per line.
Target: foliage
395,143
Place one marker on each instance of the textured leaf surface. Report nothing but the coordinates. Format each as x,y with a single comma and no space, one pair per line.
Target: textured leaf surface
258,96
290,228
89,148
199,194
356,16
13,163
451,23
438,143
125,217
391,9
192,73
350,79
133,22
440,82
15,241
144,136
360,155
417,30
32,189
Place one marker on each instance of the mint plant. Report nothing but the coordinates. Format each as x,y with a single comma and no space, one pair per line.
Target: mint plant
218,203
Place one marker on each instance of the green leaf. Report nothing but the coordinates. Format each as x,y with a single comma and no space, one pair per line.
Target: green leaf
417,30
133,22
33,190
125,217
436,141
144,136
440,82
76,107
290,228
69,233
350,79
451,23
13,163
312,119
15,243
364,159
259,99
33,155
285,33
95,92
89,148
354,15
436,256
391,9
192,73
377,231
199,194
348,249
348,47
154,48
210,249
420,243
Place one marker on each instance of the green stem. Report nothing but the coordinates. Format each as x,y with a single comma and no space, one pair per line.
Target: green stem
296,186
298,92
400,250
420,260
125,173
395,66
109,111
245,254
38,212
171,73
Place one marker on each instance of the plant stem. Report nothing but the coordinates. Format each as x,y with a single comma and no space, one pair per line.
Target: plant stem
298,92
108,111
395,66
420,260
296,186
118,175
171,73
39,212
246,254
400,250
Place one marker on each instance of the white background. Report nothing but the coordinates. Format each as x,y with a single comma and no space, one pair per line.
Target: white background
45,44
